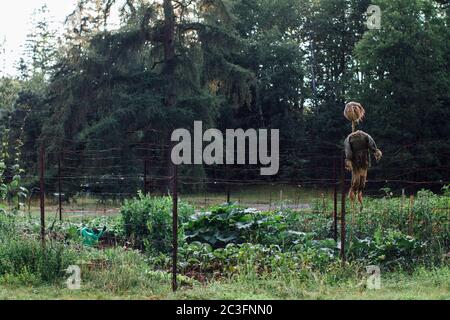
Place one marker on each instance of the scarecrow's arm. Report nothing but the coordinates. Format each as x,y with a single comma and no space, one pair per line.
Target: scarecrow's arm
348,149
374,149
348,154
372,145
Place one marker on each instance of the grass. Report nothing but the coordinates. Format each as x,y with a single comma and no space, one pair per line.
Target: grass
422,284
262,196
265,197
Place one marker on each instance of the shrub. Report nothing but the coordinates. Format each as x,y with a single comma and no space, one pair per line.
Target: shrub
147,222
388,248
424,219
117,270
21,257
202,258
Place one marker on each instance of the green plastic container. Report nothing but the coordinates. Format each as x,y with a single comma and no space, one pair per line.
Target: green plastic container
90,236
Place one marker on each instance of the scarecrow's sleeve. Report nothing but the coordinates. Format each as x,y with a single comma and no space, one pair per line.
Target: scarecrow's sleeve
348,149
372,145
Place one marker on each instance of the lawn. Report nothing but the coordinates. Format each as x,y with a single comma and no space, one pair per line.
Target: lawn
422,284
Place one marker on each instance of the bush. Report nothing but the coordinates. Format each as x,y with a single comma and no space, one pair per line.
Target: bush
147,222
202,260
22,257
425,219
117,270
388,248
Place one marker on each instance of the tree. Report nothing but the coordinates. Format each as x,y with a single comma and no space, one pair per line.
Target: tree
290,65
405,85
9,89
157,72
40,48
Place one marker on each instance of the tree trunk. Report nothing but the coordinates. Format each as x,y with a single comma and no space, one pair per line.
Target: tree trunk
169,72
169,51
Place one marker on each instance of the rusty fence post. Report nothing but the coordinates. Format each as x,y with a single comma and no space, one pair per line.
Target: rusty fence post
59,188
205,187
335,218
42,193
174,226
343,195
227,177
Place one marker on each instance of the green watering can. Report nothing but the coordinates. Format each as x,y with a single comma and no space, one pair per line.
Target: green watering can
91,236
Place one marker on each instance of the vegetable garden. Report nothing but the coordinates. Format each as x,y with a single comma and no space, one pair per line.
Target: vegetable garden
229,243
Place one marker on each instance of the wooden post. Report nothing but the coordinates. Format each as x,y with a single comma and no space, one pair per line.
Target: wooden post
42,194
343,195
174,227
335,218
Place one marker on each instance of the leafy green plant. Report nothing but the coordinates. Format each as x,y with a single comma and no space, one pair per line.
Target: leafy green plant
423,217
390,247
201,258
446,190
219,226
147,222
12,189
230,223
21,257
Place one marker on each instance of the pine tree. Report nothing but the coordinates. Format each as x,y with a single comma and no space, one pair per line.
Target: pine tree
2,56
41,46
167,65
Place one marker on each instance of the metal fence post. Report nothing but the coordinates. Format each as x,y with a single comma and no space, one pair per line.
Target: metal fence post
343,195
174,227
335,218
59,188
42,193
227,184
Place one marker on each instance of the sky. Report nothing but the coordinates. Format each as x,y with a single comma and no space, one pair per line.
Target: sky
15,17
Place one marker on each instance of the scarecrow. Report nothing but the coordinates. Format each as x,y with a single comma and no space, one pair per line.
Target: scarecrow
358,145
